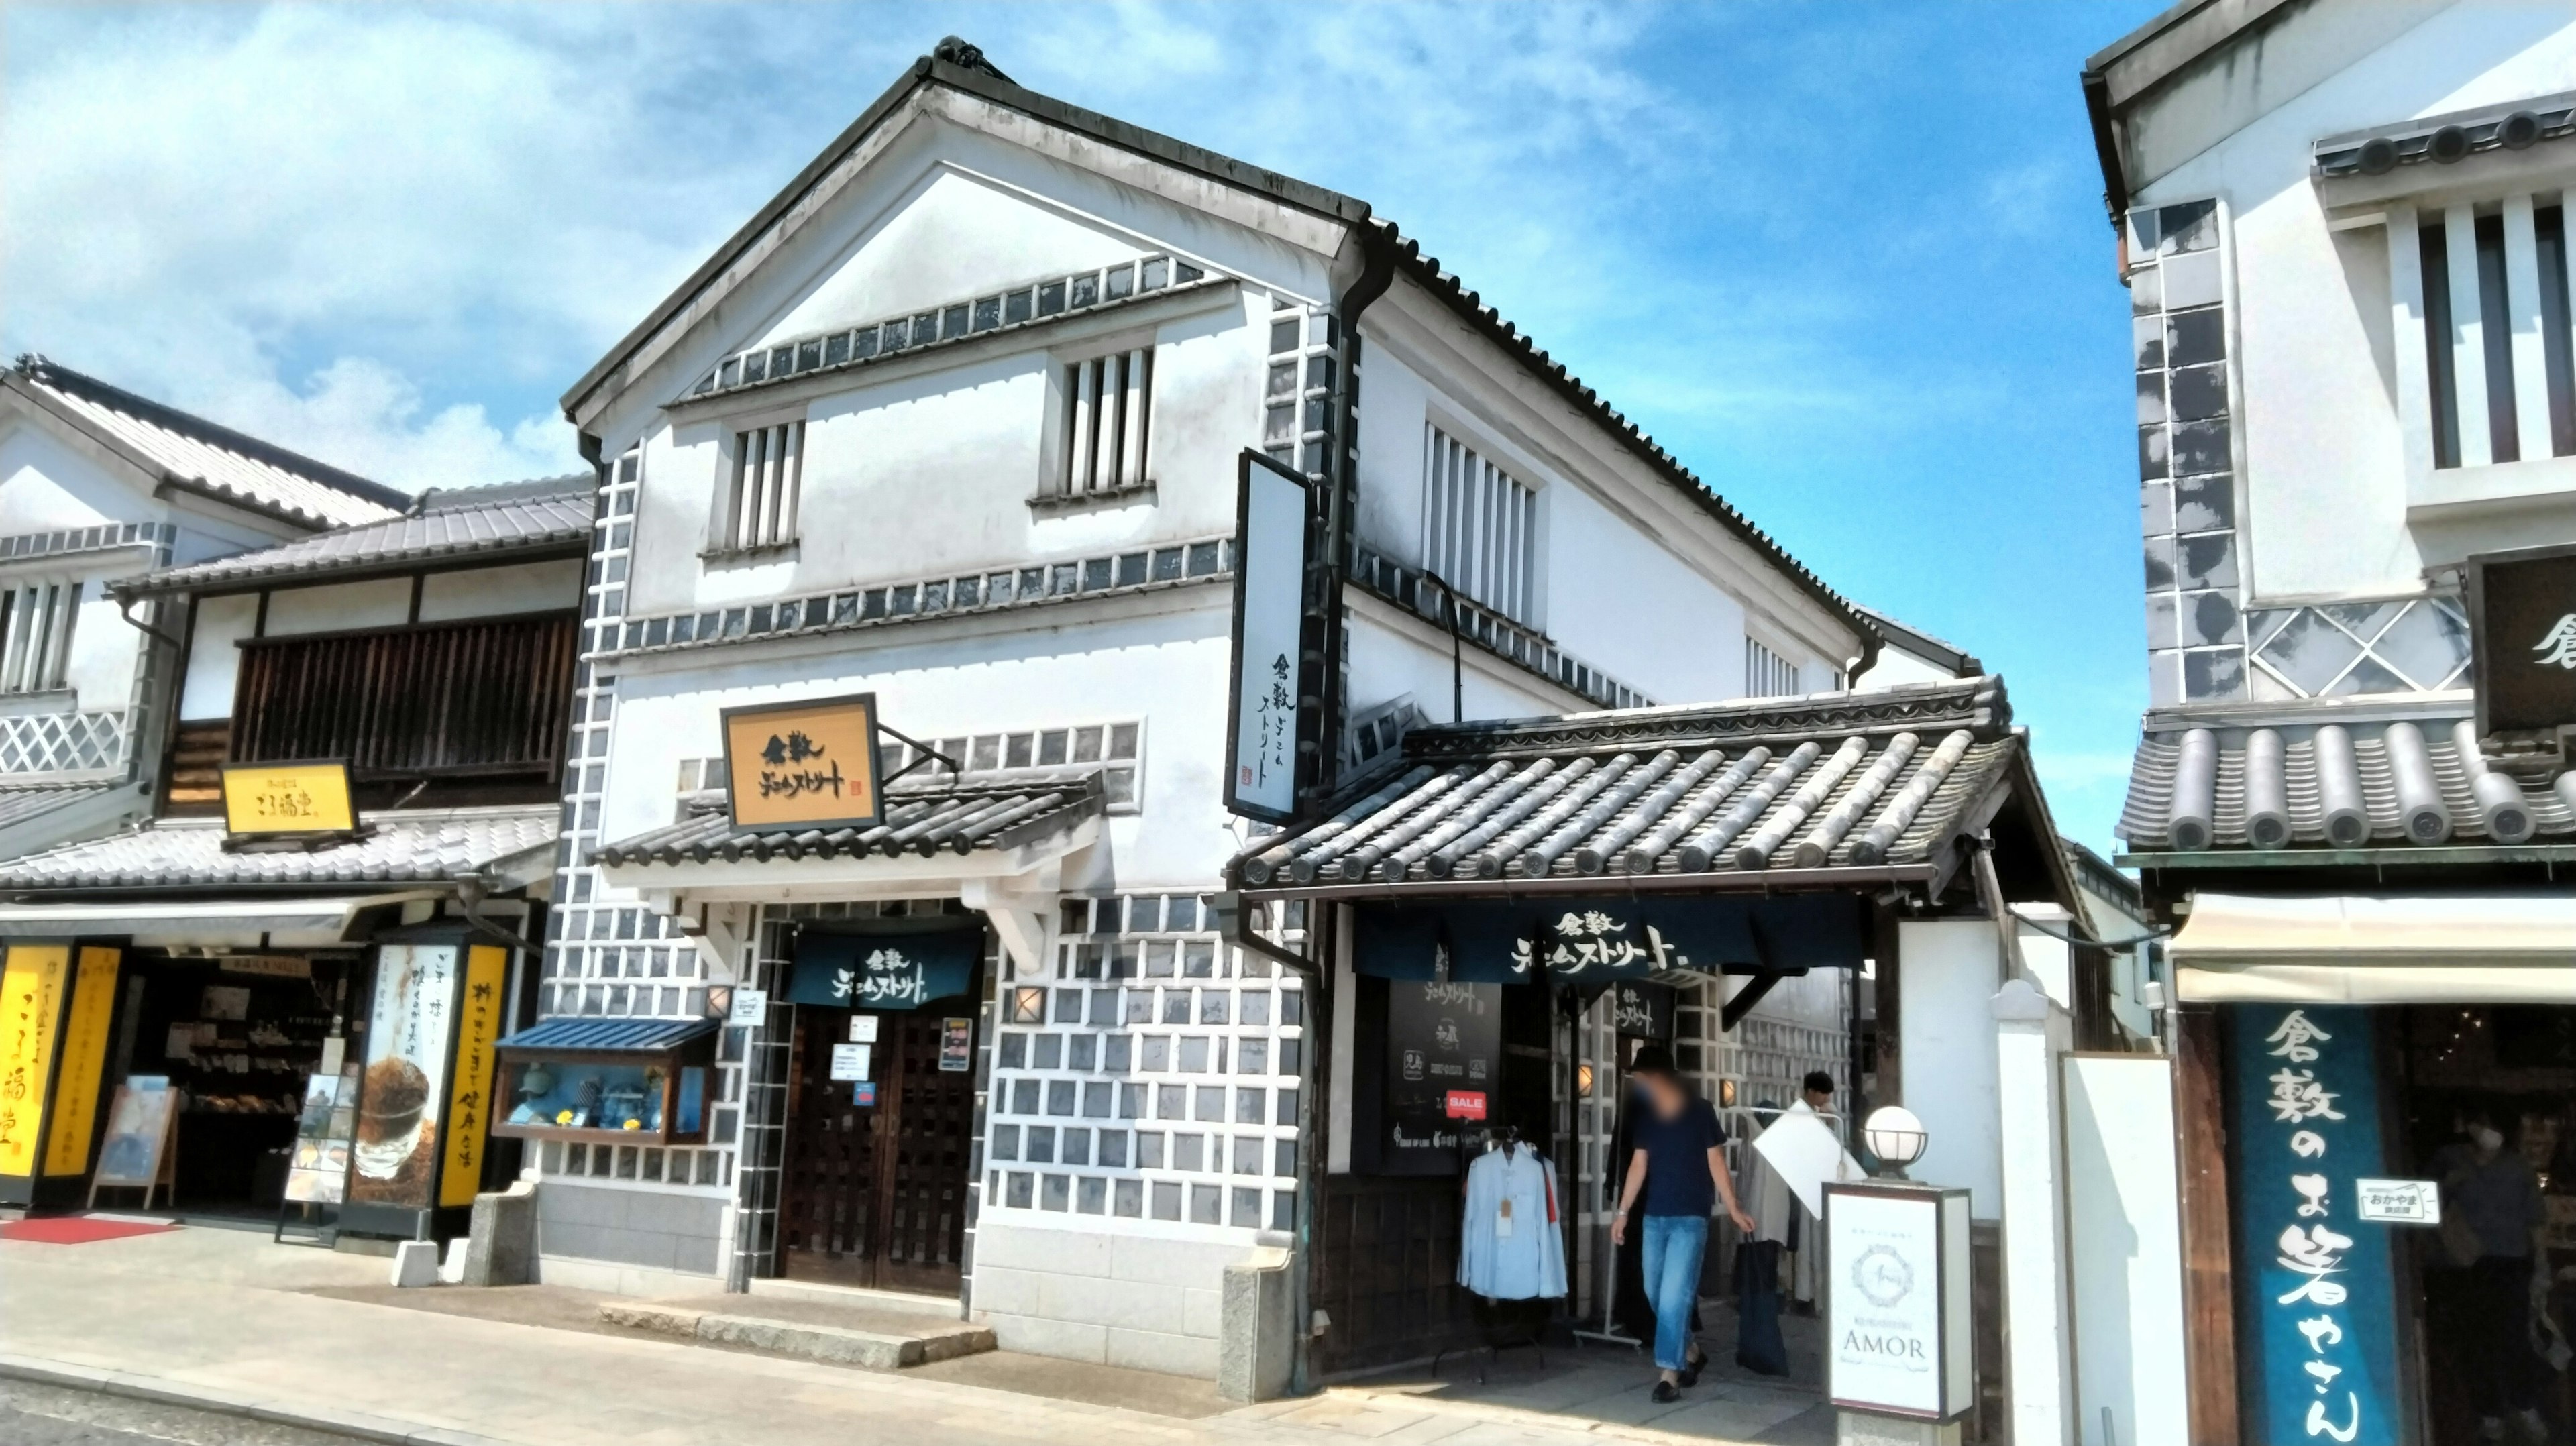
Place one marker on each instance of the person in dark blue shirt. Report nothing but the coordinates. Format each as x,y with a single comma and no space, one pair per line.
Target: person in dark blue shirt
1679,1169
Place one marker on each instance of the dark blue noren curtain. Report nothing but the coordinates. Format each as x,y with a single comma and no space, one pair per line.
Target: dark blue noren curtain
1594,941
899,963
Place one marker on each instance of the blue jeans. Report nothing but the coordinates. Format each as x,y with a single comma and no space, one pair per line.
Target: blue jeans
1673,1247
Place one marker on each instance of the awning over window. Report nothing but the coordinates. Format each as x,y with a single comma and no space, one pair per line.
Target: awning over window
2378,949
576,1033
207,921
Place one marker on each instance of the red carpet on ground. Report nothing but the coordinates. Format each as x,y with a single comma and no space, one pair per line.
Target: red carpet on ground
76,1230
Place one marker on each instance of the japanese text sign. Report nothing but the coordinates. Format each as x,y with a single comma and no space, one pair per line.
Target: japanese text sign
469,1100
272,798
886,964
31,1006
2314,1290
84,1065
2522,635
805,764
1271,549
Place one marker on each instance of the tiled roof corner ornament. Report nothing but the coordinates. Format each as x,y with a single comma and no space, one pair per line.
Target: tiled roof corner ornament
966,55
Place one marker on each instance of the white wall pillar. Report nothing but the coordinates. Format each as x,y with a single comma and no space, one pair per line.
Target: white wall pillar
2468,335
2039,1361
2522,305
2406,281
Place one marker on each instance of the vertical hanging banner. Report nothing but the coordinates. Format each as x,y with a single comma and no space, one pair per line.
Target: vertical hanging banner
408,1032
2315,1295
31,1007
469,1099
1272,548
84,1062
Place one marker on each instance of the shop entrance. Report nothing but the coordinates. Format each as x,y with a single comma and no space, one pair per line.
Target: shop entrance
2485,1110
237,1038
876,1158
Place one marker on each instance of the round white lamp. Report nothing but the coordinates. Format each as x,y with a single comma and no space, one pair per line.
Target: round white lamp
1895,1136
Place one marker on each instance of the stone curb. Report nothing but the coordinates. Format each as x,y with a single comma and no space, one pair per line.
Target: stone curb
356,1425
839,1345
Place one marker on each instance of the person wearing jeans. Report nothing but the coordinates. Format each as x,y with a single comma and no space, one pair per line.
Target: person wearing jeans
1679,1169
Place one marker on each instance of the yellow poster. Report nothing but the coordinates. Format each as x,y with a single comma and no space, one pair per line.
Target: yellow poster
31,1000
803,765
288,798
84,1060
469,1099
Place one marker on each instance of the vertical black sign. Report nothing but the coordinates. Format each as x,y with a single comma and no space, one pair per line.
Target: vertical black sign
2522,634
1444,1045
1642,1011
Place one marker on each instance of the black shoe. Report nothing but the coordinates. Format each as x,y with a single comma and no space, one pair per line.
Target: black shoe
1690,1373
1666,1393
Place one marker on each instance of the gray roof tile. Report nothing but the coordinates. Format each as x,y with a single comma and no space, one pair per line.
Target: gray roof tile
422,846
1771,786
552,513
217,458
2243,783
925,818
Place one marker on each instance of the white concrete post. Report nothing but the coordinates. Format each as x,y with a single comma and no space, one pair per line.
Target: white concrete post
2029,1035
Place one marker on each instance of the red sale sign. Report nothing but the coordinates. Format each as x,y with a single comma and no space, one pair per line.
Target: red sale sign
1466,1104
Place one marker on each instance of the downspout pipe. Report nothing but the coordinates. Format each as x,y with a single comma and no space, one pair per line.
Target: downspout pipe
1377,273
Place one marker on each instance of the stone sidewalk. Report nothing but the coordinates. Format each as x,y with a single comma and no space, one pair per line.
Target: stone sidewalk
227,1319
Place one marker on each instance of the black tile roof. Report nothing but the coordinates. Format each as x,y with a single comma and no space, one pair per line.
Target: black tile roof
1751,794
926,817
550,515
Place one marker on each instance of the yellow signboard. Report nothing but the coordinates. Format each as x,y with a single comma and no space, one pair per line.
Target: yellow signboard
264,798
84,1062
469,1097
31,1001
804,765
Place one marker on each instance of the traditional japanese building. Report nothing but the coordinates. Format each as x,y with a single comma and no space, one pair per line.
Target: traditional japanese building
2344,234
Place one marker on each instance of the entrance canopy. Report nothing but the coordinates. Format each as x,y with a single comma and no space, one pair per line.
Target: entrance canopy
1593,941
282,921
1830,793
2378,949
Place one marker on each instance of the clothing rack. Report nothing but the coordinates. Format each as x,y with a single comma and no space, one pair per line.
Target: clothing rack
1495,1338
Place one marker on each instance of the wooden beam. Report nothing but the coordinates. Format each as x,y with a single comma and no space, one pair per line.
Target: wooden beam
2209,1355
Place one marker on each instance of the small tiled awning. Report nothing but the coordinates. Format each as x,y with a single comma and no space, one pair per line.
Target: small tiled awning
571,1033
923,819
1777,794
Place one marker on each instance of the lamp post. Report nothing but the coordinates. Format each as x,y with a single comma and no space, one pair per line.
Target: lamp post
1895,1137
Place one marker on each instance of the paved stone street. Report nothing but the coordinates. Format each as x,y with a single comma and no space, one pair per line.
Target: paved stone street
225,1318
39,1415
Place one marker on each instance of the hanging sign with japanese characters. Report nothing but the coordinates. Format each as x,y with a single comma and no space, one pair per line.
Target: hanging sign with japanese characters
803,765
1594,941
1444,1047
1271,551
2315,1293
2522,637
31,1007
469,1089
899,963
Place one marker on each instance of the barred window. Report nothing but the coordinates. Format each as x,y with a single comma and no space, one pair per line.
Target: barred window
768,463
1108,415
1766,673
36,635
1480,528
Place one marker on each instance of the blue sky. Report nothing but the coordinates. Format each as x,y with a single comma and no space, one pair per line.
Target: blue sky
1847,260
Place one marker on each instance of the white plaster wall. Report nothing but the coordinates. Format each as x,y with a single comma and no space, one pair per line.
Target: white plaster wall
2323,491
1946,977
1168,669
214,655
1389,660
46,484
485,592
1895,666
336,607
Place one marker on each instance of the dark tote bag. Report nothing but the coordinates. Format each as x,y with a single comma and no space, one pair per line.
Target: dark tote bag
1758,1344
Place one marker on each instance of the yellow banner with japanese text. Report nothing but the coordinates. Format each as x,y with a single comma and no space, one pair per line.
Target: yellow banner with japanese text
469,1092
31,1003
84,1054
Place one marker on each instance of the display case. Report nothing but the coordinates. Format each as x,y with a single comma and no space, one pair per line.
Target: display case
626,1081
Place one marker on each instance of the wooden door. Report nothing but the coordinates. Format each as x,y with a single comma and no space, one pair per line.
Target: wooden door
875,1195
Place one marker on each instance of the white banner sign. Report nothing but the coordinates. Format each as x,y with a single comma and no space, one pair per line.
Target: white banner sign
850,1061
1896,1268
2398,1202
1269,614
750,1006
